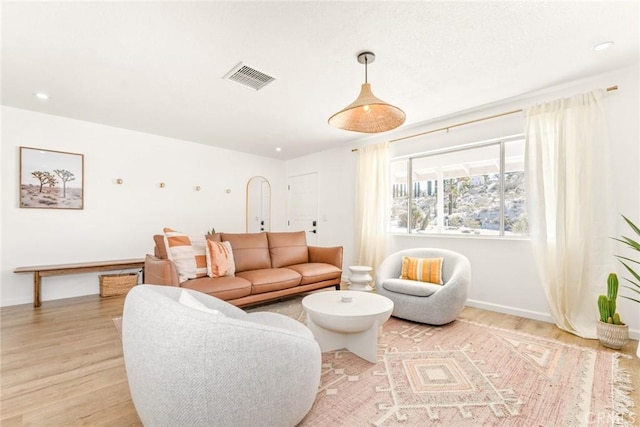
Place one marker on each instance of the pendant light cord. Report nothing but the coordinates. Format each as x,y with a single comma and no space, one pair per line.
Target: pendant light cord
366,61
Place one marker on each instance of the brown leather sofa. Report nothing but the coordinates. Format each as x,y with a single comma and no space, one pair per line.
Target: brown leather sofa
267,266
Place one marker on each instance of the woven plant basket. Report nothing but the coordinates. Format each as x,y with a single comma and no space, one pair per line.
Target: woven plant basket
613,336
117,284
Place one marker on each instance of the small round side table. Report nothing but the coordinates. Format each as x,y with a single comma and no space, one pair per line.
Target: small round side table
360,278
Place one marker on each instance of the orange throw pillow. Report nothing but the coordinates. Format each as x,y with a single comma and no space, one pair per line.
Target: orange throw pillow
422,269
219,259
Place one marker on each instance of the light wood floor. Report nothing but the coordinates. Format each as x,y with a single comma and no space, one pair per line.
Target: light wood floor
61,364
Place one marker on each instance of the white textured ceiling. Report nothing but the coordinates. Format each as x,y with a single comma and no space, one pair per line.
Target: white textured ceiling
157,67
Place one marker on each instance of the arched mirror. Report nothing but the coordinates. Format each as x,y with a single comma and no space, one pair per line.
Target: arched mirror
258,205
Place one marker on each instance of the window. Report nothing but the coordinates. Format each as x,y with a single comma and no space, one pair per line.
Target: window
474,190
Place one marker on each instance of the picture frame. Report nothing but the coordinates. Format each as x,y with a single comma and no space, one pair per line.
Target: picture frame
51,179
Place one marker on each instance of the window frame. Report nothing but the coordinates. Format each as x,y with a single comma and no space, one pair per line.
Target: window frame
500,142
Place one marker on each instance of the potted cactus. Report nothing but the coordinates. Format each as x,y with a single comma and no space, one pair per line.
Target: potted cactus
611,331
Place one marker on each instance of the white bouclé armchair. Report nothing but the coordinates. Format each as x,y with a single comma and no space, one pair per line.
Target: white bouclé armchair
425,302
215,364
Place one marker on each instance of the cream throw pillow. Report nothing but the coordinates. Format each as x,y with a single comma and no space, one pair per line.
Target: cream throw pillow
220,261
190,301
188,253
422,269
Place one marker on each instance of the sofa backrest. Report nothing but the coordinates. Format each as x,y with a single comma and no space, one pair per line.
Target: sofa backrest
250,250
159,250
288,248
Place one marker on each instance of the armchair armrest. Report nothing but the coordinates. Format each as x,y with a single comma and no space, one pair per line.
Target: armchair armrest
160,271
331,255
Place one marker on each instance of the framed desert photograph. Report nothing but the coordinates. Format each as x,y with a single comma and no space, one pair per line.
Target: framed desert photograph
51,179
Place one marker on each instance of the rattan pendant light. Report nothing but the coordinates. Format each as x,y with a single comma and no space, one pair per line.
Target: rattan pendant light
367,113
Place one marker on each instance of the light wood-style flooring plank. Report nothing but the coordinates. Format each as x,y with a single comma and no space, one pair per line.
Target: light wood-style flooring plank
62,365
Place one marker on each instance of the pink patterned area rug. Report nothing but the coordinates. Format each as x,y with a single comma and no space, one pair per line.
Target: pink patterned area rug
467,374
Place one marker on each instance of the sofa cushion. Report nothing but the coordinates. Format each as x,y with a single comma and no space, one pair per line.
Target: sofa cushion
187,253
410,287
314,272
250,250
288,248
270,279
225,288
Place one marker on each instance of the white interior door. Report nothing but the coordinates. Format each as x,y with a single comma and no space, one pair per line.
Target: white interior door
303,205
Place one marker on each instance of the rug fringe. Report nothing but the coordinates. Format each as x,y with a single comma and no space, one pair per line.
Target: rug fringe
624,416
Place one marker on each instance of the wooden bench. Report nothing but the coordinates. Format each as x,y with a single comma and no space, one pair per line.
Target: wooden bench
40,271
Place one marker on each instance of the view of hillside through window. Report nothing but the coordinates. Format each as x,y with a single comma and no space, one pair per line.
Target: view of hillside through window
477,190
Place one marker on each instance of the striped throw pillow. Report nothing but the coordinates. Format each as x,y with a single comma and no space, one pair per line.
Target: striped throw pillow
188,253
220,259
422,269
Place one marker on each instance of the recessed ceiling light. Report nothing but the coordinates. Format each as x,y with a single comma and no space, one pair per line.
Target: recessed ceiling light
603,46
278,149
42,96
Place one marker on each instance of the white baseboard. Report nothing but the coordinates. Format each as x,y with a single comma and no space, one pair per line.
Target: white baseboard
528,314
16,301
29,300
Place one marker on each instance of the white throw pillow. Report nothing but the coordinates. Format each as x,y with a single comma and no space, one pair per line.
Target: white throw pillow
187,253
190,301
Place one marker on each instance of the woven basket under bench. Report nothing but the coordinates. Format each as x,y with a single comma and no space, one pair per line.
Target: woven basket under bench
117,284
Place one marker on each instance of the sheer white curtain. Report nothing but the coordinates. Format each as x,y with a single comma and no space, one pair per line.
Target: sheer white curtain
372,204
568,182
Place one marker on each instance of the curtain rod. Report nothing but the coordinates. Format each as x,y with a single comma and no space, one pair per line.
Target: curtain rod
609,89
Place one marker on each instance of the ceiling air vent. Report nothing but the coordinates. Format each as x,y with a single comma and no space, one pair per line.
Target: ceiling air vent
248,77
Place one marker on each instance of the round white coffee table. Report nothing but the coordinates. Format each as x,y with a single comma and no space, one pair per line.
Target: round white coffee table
347,319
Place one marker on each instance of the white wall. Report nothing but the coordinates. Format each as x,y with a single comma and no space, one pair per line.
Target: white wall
117,221
504,271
